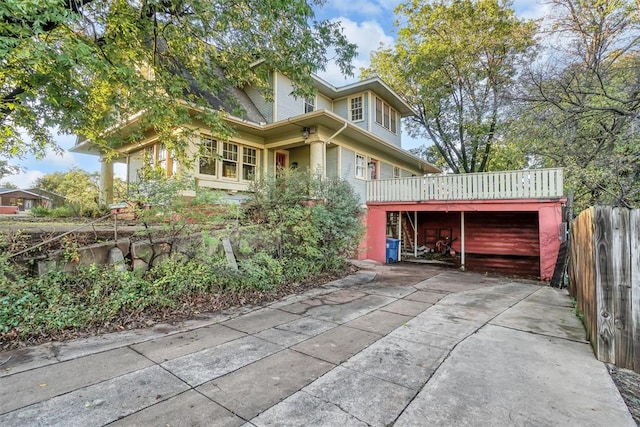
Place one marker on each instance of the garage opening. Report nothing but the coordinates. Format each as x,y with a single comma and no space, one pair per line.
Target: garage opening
502,242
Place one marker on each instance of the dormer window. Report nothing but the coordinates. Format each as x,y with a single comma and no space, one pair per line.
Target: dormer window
309,104
355,109
386,116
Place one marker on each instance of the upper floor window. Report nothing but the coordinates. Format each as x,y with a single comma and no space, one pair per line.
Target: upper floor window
309,104
361,166
386,116
356,109
396,172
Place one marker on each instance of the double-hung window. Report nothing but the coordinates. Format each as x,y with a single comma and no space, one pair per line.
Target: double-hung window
162,158
309,104
386,116
356,109
249,161
361,166
208,156
229,160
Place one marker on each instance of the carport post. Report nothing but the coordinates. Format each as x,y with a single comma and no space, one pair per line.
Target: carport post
462,267
399,235
415,234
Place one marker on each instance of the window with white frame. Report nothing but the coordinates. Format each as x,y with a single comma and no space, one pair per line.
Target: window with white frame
386,116
309,104
208,156
249,161
229,160
149,156
162,157
356,109
222,160
361,166
396,172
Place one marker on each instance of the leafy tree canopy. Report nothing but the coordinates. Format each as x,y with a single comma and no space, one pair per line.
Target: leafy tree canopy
78,64
79,187
455,62
582,111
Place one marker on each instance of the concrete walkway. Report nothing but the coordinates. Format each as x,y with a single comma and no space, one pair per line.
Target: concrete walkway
401,345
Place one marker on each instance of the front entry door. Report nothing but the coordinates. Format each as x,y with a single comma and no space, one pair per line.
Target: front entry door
282,161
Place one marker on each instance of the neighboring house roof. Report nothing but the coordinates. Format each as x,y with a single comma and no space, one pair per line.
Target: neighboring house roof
17,190
46,193
375,84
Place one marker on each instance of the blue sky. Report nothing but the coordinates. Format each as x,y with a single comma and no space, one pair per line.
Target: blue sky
368,23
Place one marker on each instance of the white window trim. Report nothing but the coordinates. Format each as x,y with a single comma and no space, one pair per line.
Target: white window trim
392,111
397,168
349,99
239,162
214,155
364,167
304,104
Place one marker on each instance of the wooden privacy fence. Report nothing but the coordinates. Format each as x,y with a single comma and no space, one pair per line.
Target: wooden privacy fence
604,270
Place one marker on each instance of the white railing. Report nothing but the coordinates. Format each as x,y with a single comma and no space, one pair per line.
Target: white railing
528,184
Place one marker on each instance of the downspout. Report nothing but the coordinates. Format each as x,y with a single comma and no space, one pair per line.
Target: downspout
324,152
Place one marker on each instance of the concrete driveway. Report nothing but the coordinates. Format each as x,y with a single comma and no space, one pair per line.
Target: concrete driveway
401,345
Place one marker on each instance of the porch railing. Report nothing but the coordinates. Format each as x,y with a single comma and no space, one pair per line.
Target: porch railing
528,184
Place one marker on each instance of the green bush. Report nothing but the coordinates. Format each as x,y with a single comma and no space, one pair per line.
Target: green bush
63,212
307,219
291,240
40,211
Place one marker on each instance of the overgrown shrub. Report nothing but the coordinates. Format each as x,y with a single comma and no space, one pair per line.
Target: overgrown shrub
40,212
62,212
289,240
308,220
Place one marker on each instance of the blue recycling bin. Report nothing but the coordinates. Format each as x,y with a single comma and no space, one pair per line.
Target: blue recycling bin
392,250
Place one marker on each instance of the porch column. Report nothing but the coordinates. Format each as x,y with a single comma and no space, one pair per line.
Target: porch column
106,182
316,158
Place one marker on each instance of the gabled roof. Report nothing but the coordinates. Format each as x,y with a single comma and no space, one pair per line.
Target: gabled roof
13,190
374,84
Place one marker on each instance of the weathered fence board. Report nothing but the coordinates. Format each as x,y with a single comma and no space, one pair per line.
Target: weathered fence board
582,272
634,238
604,272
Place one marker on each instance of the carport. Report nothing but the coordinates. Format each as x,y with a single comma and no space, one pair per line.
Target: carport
488,231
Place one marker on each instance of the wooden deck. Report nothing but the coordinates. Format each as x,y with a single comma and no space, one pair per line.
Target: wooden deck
528,184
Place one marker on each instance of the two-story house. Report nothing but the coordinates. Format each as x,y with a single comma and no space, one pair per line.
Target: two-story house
352,132
499,221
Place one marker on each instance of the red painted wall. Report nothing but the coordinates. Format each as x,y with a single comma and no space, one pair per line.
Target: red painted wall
513,237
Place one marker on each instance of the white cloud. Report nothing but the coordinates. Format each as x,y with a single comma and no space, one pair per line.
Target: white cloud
368,35
531,9
64,159
24,179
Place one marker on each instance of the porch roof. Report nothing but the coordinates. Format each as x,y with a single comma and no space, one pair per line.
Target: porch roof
330,120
